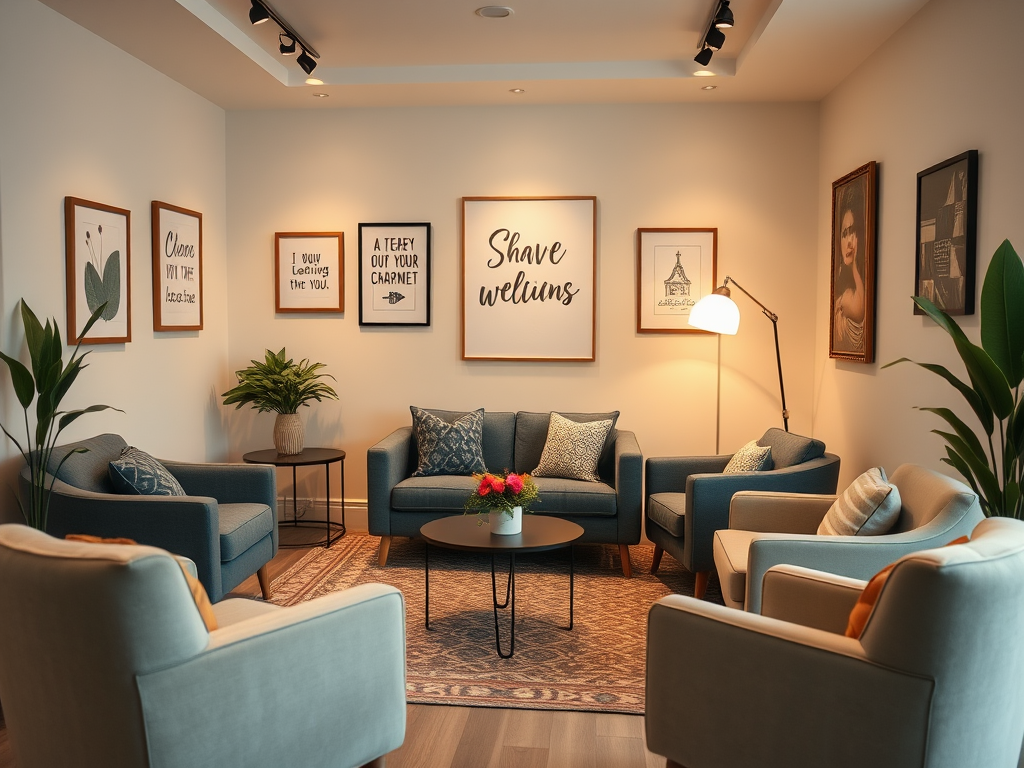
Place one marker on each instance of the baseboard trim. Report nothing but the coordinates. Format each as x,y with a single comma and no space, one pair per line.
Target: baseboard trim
316,509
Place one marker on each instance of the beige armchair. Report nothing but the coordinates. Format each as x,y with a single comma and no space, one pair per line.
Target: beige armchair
933,681
105,662
767,529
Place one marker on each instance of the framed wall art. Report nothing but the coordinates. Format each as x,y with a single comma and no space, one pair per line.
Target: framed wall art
97,254
852,308
675,268
394,274
947,226
309,270
177,268
528,278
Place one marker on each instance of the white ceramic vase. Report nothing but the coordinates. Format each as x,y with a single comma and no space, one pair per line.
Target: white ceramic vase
288,434
504,524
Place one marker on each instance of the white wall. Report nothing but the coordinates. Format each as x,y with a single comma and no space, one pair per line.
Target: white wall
749,170
82,118
948,81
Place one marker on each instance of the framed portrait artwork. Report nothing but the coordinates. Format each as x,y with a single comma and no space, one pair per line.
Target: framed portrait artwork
309,270
852,308
947,226
528,287
675,268
177,268
97,254
394,274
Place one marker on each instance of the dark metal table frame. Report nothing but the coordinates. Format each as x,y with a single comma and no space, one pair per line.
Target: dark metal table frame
482,540
309,457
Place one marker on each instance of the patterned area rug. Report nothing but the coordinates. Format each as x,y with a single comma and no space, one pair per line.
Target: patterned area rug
598,666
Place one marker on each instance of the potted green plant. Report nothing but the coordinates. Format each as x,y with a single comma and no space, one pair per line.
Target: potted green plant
992,462
504,497
51,380
281,385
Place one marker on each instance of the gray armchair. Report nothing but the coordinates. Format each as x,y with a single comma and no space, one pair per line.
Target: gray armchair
105,662
688,496
932,681
227,524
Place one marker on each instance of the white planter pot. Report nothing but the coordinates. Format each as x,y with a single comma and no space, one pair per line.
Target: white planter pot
504,524
289,435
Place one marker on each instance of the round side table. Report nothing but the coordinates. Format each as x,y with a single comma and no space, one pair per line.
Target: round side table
308,458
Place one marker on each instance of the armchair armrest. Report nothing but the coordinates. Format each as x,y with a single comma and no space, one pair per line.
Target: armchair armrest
808,597
228,483
387,464
773,512
668,474
280,694
629,463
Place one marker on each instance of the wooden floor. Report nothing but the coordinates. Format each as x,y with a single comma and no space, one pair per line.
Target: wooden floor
481,737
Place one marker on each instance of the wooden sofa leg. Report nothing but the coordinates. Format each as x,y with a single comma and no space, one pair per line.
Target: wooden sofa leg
627,568
264,579
700,586
658,552
378,763
382,552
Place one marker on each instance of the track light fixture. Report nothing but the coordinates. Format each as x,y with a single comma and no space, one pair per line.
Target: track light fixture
287,44
723,17
258,14
289,39
305,61
713,38
704,57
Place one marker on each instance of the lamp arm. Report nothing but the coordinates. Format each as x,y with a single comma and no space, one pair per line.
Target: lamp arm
768,313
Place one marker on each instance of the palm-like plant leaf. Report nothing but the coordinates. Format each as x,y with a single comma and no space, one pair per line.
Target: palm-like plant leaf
279,384
1002,312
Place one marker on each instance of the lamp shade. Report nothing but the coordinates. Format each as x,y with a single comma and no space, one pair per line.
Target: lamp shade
716,313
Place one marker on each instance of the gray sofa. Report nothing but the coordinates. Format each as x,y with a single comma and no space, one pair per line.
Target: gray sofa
609,511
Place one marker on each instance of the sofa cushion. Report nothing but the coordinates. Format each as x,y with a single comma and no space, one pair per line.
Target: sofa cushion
731,549
789,449
436,493
668,510
572,449
241,526
566,498
88,471
532,433
448,447
137,473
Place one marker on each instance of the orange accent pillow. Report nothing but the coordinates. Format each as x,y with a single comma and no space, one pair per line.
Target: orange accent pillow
195,586
866,602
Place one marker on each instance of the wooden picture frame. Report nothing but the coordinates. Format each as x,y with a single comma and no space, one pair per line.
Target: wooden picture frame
97,254
394,274
675,268
529,278
854,236
177,268
309,272
947,234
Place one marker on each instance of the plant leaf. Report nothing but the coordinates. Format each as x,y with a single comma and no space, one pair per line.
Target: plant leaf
1002,312
977,403
1011,497
990,489
71,416
94,293
965,432
33,336
24,386
954,460
91,322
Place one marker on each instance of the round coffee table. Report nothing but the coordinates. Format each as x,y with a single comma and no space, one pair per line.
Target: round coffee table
464,532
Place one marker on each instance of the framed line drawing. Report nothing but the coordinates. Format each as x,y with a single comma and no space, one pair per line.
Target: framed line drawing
852,307
947,234
675,268
528,278
177,268
394,274
97,253
309,269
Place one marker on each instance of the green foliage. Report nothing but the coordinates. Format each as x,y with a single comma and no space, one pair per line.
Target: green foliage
498,492
279,384
992,464
51,380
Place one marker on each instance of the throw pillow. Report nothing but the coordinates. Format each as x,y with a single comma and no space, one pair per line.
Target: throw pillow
448,448
869,507
572,449
136,472
866,602
750,458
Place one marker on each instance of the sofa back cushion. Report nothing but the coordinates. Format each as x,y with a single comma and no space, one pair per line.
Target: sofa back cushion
531,430
88,471
499,429
789,449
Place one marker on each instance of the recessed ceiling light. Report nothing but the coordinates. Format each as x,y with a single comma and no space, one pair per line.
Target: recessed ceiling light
325,95
703,88
517,90
314,81
703,73
494,11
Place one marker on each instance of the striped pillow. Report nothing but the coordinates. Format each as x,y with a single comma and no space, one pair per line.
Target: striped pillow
869,507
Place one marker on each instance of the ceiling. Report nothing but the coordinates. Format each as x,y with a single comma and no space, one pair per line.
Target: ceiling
440,52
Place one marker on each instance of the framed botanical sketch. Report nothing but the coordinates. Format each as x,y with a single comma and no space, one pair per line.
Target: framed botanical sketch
675,268
947,226
394,274
177,268
309,270
97,253
852,307
528,287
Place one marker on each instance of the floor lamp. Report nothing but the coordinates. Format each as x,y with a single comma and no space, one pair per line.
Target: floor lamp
718,313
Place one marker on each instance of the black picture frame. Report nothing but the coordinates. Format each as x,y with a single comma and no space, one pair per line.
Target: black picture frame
945,268
394,274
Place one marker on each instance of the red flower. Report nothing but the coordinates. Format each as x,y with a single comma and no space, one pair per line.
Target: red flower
497,484
485,486
515,482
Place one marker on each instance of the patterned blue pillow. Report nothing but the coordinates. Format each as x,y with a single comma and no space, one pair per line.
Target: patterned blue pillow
448,448
136,472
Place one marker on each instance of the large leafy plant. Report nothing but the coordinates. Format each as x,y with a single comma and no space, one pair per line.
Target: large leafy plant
47,383
992,461
279,384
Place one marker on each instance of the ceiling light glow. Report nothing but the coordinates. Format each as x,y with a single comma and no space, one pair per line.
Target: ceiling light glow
495,11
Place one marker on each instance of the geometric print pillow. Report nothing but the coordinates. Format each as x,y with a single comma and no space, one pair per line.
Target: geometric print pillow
869,507
448,448
572,449
136,472
750,458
